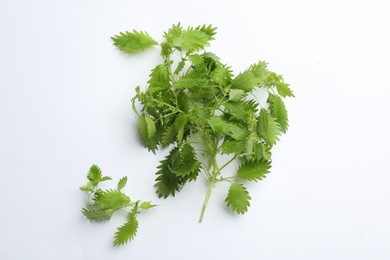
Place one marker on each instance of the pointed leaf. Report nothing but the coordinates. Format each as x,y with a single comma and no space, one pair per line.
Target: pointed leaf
254,170
122,183
97,214
132,42
231,147
147,205
126,232
187,162
278,111
94,174
268,128
111,199
238,198
284,90
167,183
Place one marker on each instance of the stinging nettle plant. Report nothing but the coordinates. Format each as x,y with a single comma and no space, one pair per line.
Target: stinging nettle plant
102,204
194,105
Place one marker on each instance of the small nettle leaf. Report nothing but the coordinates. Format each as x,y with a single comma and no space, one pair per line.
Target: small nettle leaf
147,205
228,128
278,111
237,109
147,129
179,125
122,183
174,33
268,128
105,178
254,76
167,182
238,198
159,77
236,94
222,75
111,199
196,59
88,187
254,170
284,90
94,174
209,30
180,66
191,80
187,162
169,136
132,42
126,232
232,147
96,214
261,151
195,39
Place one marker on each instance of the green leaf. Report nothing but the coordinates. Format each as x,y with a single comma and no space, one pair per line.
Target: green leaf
147,129
180,66
195,39
284,90
97,214
236,94
254,76
191,80
231,147
238,109
122,183
159,78
196,59
132,42
268,128
147,205
94,174
220,126
105,178
278,111
167,182
126,232
209,30
173,34
238,198
187,162
169,136
222,75
254,170
111,199
180,124
88,187
261,151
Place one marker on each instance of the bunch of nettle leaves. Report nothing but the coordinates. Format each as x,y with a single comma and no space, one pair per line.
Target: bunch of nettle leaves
194,105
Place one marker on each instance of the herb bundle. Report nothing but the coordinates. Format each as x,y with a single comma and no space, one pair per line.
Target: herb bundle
196,107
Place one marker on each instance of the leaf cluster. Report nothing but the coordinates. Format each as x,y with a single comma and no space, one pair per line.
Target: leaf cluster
195,106
103,203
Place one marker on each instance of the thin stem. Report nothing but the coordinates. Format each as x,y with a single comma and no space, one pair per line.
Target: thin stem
214,165
226,164
206,199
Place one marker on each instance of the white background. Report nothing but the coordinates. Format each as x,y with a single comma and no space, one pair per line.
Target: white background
65,103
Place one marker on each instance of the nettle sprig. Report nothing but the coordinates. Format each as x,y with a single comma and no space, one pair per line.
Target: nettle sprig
102,204
194,105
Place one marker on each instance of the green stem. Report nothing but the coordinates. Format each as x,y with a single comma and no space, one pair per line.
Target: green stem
206,199
213,163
